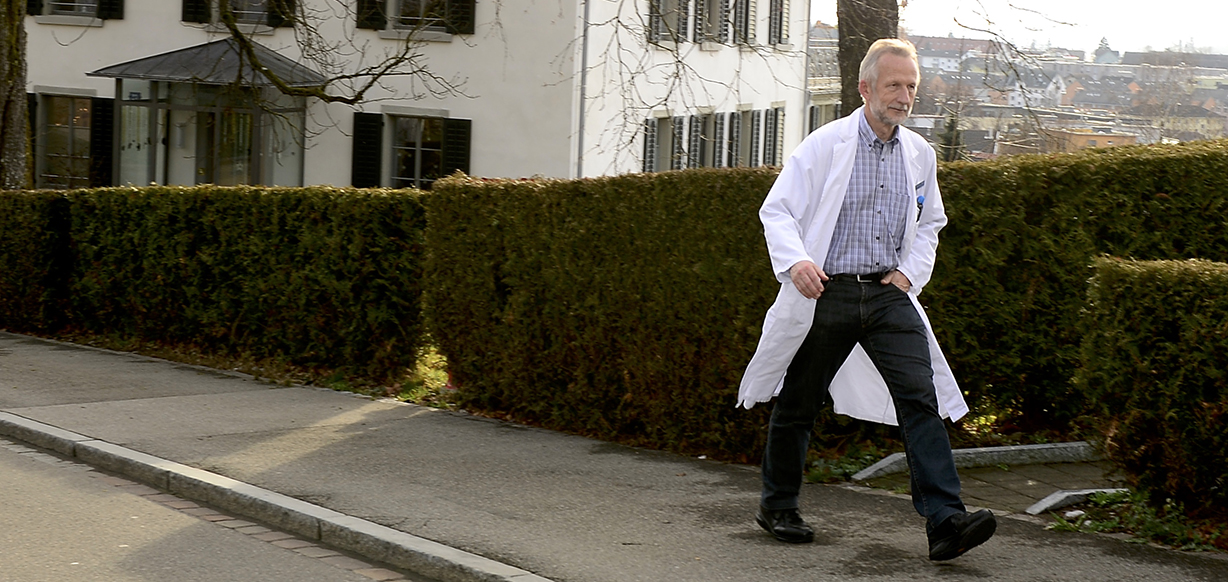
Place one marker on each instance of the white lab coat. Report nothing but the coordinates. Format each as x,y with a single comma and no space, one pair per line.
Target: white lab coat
799,217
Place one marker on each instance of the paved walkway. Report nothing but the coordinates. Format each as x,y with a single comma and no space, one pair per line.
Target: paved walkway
459,498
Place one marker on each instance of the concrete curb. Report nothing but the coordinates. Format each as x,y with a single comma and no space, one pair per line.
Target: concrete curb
418,555
1065,498
1075,452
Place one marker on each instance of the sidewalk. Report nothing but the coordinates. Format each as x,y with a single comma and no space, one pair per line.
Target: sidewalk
459,498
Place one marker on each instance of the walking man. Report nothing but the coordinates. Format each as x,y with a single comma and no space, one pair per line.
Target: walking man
852,227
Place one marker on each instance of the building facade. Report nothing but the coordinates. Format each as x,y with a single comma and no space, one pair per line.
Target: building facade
141,91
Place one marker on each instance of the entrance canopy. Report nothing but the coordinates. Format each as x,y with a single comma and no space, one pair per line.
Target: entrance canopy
215,63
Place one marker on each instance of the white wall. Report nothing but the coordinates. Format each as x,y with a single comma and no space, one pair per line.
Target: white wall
623,92
520,74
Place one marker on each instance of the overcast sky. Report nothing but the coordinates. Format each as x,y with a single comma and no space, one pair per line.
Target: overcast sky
1129,25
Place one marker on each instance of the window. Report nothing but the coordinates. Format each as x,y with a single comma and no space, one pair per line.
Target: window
250,11
822,114
421,13
273,13
674,143
744,21
190,133
704,141
710,22
667,20
664,145
778,22
101,9
448,16
417,152
65,143
423,149
74,7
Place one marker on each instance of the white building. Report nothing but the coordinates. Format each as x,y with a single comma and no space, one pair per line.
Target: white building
141,91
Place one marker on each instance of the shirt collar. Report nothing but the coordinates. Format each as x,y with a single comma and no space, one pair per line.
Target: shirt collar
868,136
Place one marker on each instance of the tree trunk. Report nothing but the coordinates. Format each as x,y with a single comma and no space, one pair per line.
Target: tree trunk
861,23
14,125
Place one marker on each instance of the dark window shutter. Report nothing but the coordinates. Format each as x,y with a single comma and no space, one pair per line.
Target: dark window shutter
457,134
368,155
683,19
196,11
735,139
34,7
102,130
460,16
32,120
650,145
111,9
756,125
371,15
281,13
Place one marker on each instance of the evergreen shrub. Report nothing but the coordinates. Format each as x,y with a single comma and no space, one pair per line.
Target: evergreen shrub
313,276
622,307
1014,260
1153,364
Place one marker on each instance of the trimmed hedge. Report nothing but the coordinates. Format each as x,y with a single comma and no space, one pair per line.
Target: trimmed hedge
623,307
1015,258
627,307
34,260
1154,366
314,276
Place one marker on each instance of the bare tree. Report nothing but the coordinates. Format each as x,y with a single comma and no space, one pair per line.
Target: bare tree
14,125
349,68
648,66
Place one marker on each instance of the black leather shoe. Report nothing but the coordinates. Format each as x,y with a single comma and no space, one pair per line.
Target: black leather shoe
961,532
785,525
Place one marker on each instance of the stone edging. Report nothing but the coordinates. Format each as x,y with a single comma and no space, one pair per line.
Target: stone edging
1074,452
365,538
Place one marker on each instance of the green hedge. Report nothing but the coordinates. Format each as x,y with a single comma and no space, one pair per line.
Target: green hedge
627,307
314,276
1014,260
1154,365
621,307
624,307
34,260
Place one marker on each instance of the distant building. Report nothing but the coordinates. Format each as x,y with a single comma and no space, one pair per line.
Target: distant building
1070,140
1105,55
1182,122
823,75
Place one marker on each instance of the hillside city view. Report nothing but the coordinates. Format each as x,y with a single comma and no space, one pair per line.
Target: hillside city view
1003,99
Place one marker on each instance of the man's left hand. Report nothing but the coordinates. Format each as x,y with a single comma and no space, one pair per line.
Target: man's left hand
898,279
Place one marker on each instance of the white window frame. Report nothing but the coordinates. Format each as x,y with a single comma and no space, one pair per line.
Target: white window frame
423,21
395,146
79,8
250,12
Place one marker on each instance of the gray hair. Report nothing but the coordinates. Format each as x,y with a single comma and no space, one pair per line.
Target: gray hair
882,46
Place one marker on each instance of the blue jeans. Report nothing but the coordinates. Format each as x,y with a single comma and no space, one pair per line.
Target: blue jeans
883,320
